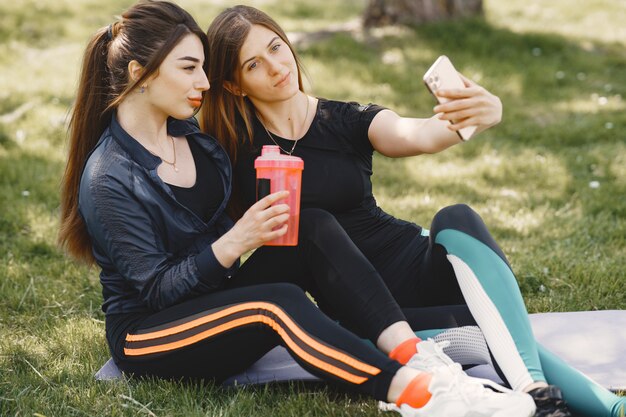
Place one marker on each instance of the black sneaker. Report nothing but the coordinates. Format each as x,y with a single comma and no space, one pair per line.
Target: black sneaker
549,402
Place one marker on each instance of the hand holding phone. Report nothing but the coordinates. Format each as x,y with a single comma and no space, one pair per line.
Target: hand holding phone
443,75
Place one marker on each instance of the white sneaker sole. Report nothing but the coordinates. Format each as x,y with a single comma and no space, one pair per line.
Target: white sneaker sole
524,407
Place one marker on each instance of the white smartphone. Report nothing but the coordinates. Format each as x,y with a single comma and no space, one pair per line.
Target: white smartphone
442,74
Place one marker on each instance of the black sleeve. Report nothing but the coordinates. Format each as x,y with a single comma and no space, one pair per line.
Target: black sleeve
133,245
357,119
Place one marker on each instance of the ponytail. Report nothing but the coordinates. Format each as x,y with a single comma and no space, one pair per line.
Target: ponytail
89,117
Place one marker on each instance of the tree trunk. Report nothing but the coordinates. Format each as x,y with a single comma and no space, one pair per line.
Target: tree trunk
407,12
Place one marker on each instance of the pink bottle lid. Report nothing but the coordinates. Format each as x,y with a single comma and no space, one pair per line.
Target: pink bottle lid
272,158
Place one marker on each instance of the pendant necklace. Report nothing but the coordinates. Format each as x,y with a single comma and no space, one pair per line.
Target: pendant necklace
295,141
172,163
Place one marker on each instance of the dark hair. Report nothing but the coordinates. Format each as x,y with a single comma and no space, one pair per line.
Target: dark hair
147,32
228,116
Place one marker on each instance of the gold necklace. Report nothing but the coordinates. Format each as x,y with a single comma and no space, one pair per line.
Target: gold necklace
173,163
295,141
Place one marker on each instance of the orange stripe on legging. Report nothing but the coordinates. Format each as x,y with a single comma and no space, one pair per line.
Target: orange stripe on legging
331,369
265,306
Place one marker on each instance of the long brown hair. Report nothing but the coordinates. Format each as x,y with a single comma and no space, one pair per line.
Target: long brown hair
147,32
226,115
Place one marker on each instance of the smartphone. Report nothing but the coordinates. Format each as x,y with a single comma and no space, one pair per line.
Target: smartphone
442,74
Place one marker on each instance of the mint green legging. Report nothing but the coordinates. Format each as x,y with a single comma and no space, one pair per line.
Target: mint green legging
493,297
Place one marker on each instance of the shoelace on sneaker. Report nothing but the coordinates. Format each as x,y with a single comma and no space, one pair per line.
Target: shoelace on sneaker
434,360
438,358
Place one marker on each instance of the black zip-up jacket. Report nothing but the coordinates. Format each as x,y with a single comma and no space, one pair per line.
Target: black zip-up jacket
153,251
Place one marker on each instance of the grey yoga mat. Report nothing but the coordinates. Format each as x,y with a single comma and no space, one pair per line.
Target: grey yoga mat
593,342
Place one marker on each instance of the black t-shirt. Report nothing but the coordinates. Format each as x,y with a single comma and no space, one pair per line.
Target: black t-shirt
206,195
337,173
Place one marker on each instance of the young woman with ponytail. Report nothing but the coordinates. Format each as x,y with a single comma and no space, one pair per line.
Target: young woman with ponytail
144,196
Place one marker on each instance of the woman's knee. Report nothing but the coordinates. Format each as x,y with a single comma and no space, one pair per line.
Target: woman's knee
316,224
281,296
462,218
455,211
316,216
458,217
282,291
287,297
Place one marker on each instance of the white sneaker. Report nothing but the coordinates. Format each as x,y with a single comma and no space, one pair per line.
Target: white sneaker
458,395
431,356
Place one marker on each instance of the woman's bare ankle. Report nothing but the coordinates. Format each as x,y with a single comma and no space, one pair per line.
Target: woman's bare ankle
393,335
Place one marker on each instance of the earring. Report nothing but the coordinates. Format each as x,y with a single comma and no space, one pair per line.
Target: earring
142,89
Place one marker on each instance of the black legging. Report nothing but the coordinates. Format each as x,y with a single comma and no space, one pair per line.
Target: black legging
348,288
217,335
328,265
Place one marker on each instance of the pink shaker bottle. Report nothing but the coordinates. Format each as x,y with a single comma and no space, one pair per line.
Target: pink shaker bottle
277,172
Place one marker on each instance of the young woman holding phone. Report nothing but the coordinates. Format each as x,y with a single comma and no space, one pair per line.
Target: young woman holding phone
454,275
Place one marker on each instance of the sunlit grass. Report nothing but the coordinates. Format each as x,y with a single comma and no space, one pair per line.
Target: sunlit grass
582,20
549,181
593,104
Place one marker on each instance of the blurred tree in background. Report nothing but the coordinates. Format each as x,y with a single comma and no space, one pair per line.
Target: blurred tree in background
389,12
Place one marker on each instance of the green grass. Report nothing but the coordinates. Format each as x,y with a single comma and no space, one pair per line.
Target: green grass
561,74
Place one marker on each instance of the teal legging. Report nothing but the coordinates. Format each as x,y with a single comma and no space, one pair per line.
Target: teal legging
495,302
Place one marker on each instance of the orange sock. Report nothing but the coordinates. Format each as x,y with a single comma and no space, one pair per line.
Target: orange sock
416,394
405,350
